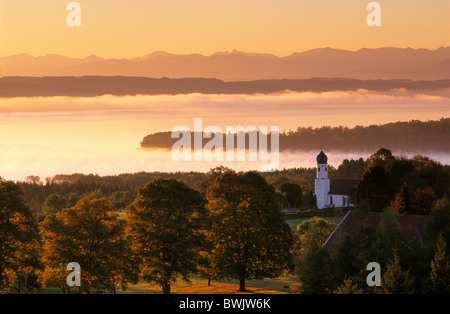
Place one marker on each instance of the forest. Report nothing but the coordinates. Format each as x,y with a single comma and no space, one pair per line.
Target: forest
160,228
410,136
121,189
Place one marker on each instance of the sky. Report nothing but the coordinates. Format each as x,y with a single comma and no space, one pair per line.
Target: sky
132,28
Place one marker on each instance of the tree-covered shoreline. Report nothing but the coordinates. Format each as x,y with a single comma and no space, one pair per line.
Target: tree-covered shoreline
407,136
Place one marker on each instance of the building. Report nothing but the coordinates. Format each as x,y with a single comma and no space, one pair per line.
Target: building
411,227
331,193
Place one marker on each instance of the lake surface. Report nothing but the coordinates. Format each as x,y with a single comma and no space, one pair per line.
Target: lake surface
101,135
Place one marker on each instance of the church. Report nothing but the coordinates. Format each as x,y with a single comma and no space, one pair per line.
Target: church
330,193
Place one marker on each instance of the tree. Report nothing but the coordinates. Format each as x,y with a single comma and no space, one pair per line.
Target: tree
418,259
293,193
388,238
54,203
423,201
33,180
312,263
440,268
395,280
321,227
351,169
72,199
344,260
375,188
166,222
382,158
430,173
121,199
91,234
252,241
211,175
20,241
402,202
439,223
348,287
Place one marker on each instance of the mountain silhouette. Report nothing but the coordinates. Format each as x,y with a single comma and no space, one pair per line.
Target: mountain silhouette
380,63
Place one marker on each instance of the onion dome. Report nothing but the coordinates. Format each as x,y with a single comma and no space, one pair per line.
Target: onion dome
322,158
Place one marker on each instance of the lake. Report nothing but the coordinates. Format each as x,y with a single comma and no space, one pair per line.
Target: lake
62,135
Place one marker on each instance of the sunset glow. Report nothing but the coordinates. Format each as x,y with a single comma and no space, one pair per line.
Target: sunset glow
125,29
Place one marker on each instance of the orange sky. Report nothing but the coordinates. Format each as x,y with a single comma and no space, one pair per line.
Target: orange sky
130,28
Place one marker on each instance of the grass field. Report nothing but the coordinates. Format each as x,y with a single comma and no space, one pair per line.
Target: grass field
280,285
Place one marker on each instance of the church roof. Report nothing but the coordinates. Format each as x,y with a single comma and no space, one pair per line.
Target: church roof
342,186
322,158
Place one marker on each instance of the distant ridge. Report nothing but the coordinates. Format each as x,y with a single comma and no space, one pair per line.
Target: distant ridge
88,86
380,63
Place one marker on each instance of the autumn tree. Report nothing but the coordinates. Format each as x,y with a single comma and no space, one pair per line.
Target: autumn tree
19,242
33,180
321,227
91,234
402,202
252,241
395,279
348,287
440,268
382,157
166,222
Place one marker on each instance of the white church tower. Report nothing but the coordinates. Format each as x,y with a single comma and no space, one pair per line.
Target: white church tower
322,183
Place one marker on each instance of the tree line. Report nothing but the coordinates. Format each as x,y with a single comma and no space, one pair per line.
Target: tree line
405,185
412,135
53,193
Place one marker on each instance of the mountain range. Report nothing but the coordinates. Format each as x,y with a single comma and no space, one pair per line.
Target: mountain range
379,63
